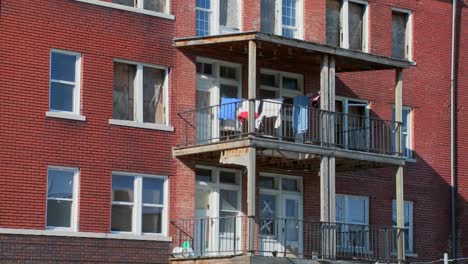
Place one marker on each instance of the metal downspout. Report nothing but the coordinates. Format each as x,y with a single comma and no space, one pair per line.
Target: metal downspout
452,135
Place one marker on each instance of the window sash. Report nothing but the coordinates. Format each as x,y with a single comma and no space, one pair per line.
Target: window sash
73,200
138,91
138,204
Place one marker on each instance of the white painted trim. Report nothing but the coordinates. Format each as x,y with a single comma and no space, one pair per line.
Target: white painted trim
62,233
132,9
138,95
74,210
65,115
76,84
138,204
152,126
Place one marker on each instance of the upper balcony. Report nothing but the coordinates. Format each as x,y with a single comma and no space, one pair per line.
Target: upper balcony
297,131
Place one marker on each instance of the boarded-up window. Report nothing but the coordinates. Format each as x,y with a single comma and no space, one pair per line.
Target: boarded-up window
155,5
333,22
356,26
153,95
229,15
399,38
268,11
124,81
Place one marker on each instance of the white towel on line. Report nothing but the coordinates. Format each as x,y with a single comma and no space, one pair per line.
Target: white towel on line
271,108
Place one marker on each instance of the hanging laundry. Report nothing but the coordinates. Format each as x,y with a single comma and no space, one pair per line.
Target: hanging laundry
271,108
244,110
300,114
228,109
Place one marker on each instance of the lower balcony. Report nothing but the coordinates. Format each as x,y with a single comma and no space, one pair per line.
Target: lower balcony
279,240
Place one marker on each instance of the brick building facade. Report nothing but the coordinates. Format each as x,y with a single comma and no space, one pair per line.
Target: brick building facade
98,145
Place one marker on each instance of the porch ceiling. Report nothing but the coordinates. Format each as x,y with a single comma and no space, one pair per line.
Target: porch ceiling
273,48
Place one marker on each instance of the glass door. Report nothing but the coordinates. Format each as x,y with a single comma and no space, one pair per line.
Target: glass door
292,226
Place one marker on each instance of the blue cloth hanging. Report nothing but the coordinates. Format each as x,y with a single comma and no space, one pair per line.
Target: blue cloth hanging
300,114
228,109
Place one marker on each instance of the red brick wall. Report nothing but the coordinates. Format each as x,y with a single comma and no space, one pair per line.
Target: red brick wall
52,249
30,141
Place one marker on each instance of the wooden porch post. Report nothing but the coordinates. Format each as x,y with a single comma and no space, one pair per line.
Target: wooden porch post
251,170
324,105
400,204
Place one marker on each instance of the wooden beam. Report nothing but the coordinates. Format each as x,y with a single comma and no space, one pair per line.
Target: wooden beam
400,203
251,175
252,86
197,150
215,39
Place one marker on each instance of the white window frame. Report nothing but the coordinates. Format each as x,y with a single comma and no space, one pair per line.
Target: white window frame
138,8
74,210
138,203
282,92
408,153
409,31
410,206
138,98
344,24
299,19
77,83
214,27
345,106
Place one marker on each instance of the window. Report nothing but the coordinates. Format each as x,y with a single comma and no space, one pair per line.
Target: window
352,128
347,24
217,17
274,84
352,214
65,70
282,17
408,212
160,6
62,198
401,34
406,131
139,204
140,93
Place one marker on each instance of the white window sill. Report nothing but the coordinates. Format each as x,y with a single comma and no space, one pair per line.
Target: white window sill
64,115
412,160
141,125
128,8
63,233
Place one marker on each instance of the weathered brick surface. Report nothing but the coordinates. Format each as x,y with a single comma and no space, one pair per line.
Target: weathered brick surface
51,249
29,141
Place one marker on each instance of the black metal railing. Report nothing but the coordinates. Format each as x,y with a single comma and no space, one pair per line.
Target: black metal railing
286,122
282,237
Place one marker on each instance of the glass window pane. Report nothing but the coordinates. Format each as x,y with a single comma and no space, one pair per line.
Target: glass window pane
153,191
267,14
59,213
333,22
290,83
267,94
289,33
228,177
356,210
124,79
399,21
290,185
228,72
202,201
122,188
60,184
339,208
61,96
202,23
125,2
289,13
267,214
155,5
291,208
153,95
121,219
204,4
228,222
63,67
267,182
268,80
356,18
228,200
229,91
203,175
151,220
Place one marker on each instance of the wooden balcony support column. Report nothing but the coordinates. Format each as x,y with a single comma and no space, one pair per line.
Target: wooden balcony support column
400,203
